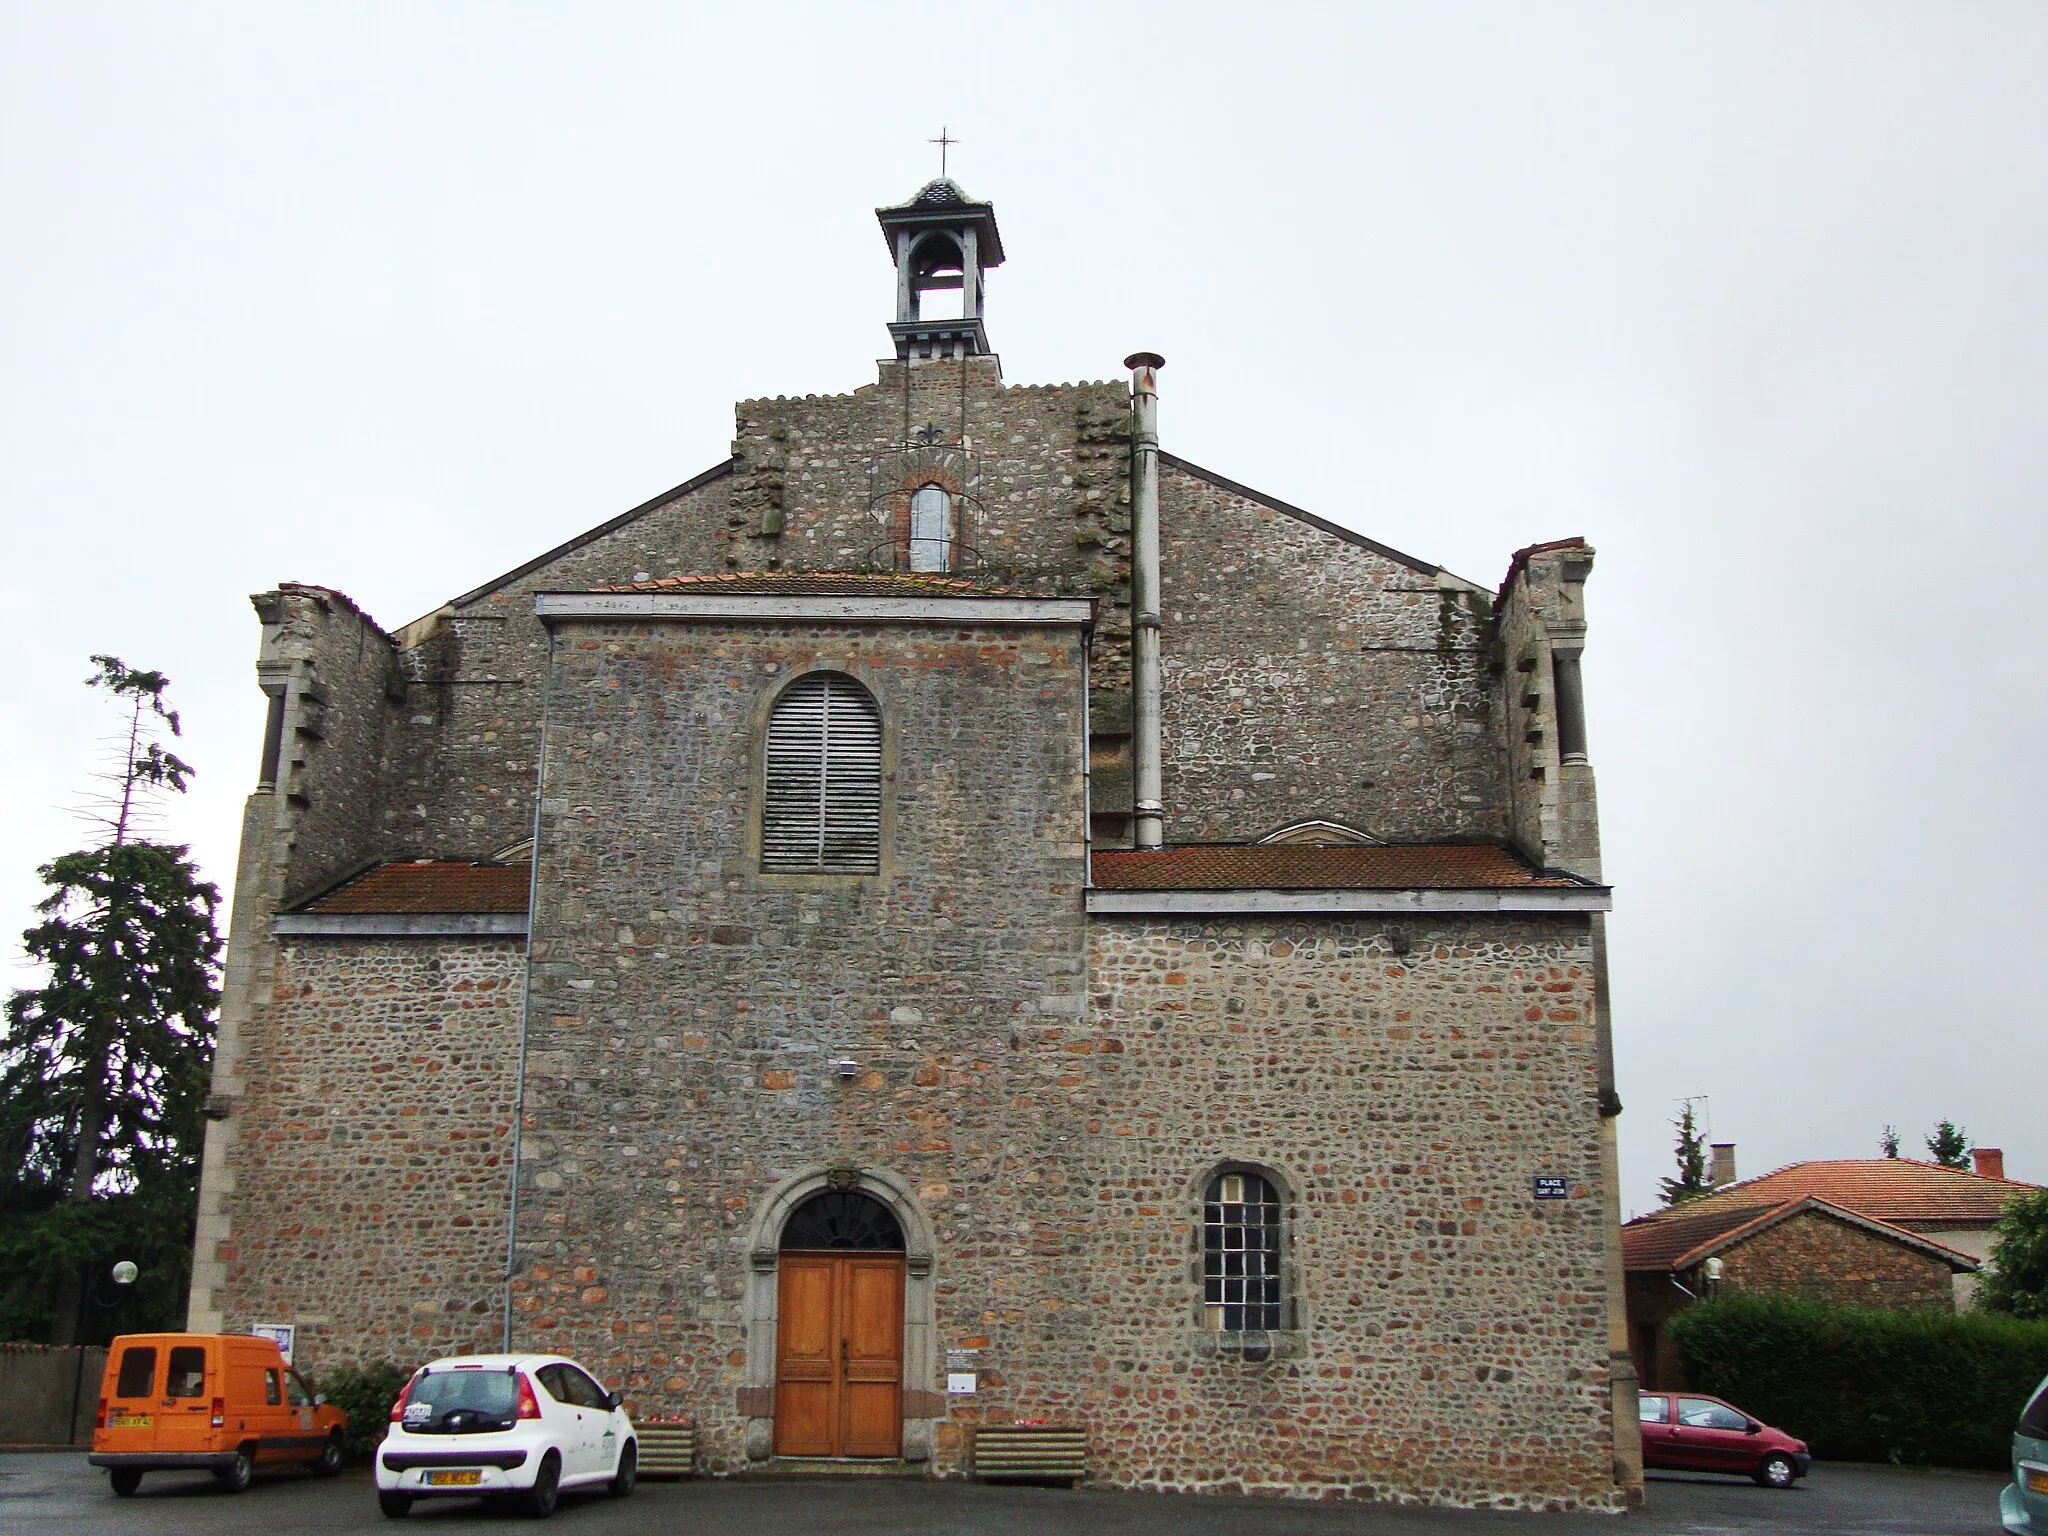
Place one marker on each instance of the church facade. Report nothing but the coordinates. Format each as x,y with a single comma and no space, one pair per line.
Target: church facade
956,917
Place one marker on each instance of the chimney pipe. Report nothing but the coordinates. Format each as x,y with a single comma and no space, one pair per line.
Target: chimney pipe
1150,809
1724,1164
1989,1162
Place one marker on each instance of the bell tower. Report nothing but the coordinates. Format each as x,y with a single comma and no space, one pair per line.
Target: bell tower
942,241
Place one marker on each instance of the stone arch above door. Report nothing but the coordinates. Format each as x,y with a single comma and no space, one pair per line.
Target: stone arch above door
922,1403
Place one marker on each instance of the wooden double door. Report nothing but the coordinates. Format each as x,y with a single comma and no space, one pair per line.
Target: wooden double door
839,1355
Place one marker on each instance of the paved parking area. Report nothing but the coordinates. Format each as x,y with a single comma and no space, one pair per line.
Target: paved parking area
57,1494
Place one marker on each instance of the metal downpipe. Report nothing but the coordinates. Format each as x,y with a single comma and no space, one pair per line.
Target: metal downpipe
1149,806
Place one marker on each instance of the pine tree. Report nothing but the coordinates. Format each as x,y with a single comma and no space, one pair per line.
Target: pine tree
104,1067
1691,1182
1950,1146
1888,1141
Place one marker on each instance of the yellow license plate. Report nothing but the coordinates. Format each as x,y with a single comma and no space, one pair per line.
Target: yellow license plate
130,1421
2037,1482
468,1477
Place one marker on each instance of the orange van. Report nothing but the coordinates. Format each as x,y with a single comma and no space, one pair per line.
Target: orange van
223,1401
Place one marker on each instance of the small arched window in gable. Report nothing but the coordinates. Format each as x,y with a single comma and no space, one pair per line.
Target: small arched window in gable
931,529
822,811
1241,1254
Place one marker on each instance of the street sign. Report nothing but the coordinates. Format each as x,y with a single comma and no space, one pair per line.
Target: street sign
1551,1186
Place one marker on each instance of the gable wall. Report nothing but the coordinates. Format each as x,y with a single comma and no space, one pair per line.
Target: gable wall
458,782
1816,1257
1308,676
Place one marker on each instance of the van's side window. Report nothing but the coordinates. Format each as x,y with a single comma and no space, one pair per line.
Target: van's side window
295,1390
138,1371
187,1374
273,1389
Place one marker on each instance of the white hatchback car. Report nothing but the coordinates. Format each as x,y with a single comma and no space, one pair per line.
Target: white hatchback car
524,1425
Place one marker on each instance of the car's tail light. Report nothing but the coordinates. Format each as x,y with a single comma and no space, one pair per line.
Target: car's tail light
529,1405
99,1420
220,1412
398,1402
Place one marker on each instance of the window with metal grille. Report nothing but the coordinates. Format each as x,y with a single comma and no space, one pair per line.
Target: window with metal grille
1241,1254
823,808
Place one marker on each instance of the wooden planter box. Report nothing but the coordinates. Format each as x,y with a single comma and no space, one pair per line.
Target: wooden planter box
1030,1454
667,1450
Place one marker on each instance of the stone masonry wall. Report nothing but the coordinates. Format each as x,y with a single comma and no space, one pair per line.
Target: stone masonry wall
373,1148
459,780
688,1008
1450,1336
339,706
1308,675
1814,1256
1042,476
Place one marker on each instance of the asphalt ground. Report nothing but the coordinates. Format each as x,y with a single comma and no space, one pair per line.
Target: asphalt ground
57,1494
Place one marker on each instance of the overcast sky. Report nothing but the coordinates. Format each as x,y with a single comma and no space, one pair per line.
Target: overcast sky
393,297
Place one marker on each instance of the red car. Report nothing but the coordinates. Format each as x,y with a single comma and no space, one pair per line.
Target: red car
1686,1432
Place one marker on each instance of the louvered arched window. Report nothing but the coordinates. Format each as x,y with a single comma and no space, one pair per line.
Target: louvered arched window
823,808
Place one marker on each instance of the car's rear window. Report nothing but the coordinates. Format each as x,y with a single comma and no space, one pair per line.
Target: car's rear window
186,1376
2034,1417
462,1402
138,1371
1655,1410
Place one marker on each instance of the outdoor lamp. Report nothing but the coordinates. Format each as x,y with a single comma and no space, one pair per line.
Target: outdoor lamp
125,1272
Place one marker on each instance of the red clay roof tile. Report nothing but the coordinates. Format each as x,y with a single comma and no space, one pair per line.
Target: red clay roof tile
431,885
1899,1190
1299,867
1680,1239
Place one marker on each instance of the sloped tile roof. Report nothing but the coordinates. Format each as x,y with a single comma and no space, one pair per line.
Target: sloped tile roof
1297,867
430,885
820,584
1899,1190
1655,1242
1679,1240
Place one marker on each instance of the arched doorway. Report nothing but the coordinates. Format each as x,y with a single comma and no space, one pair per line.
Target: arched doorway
839,1329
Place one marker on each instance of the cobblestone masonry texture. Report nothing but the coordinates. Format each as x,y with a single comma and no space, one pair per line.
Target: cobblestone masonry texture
1310,677
377,1134
1817,1257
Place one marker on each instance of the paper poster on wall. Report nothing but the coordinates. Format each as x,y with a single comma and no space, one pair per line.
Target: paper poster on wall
960,1383
279,1333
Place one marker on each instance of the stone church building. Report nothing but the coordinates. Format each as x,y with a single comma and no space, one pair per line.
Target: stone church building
953,917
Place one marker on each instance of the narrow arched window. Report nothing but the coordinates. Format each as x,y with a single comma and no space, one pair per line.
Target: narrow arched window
1241,1254
931,529
823,807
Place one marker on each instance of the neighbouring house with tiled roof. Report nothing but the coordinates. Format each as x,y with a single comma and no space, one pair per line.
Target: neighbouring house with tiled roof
1872,1232
954,915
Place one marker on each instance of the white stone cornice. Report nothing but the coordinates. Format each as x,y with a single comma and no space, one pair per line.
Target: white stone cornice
1193,903
812,608
399,925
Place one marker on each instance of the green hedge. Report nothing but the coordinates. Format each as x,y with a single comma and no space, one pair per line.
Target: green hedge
366,1392
1862,1385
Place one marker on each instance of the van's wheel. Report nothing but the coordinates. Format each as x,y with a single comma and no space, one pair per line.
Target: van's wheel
329,1460
1776,1471
539,1500
125,1480
234,1477
396,1506
629,1469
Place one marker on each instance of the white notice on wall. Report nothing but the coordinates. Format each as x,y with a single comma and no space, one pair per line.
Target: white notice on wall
279,1333
960,1383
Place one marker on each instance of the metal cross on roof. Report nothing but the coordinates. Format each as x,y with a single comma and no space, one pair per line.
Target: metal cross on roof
944,144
